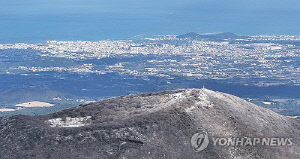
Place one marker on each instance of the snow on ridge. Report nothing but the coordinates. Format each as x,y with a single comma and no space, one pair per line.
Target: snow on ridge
190,109
204,100
70,122
177,95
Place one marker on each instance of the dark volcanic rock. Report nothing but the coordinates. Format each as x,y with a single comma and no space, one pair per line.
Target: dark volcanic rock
153,125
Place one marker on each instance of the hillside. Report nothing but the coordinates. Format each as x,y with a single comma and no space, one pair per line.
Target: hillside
212,37
152,125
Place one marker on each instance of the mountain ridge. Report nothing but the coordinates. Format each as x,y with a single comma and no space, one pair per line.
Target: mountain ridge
149,125
212,37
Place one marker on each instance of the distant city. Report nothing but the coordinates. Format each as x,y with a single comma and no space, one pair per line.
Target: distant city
261,60
72,72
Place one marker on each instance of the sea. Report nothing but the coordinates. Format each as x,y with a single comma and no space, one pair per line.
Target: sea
34,21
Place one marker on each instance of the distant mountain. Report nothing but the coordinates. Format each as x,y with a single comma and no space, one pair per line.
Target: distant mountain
170,124
191,35
212,37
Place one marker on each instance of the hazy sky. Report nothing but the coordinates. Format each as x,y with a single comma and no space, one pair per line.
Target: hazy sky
92,6
79,19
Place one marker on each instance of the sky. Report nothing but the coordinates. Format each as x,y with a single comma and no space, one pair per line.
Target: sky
40,20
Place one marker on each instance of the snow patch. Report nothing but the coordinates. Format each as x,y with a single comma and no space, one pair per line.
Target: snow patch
267,103
189,110
34,104
8,109
204,100
177,96
70,122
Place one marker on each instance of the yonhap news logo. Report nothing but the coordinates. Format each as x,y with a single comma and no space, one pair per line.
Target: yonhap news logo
201,140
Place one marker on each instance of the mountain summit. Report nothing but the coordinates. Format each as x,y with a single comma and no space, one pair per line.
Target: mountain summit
169,124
